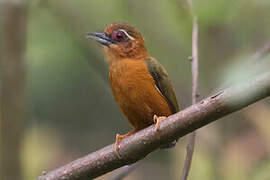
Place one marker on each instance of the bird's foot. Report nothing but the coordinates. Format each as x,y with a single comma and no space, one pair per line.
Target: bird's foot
118,139
157,120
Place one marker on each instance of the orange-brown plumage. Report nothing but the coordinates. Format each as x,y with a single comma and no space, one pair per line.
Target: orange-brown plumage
135,92
140,85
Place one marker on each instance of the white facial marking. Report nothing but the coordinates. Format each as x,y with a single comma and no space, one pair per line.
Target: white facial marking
129,36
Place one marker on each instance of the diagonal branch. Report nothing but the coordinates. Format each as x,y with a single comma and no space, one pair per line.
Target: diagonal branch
137,146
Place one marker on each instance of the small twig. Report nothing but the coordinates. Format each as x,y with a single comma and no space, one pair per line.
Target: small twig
189,155
195,62
123,172
195,74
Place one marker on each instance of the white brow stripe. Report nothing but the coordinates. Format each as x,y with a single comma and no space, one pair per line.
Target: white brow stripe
129,36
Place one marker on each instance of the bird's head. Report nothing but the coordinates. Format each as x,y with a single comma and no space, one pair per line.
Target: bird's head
120,41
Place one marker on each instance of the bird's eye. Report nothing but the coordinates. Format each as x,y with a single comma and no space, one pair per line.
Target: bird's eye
119,35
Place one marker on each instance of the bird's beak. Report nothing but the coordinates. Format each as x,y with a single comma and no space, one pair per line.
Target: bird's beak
102,38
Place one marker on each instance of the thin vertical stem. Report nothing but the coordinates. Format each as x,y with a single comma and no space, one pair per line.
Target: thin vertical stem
195,74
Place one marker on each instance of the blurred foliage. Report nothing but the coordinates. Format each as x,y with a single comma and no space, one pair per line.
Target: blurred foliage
71,110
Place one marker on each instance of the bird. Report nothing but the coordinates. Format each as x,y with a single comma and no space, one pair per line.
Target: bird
139,83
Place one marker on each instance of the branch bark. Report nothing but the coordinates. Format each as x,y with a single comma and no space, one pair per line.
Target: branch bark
137,146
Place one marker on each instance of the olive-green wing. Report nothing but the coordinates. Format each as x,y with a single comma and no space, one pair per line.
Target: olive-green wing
162,82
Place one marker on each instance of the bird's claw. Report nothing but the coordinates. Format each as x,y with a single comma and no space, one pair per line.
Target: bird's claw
157,120
118,138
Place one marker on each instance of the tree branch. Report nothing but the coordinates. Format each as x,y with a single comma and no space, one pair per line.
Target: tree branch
137,146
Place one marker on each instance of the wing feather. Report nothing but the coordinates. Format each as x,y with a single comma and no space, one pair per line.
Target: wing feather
162,83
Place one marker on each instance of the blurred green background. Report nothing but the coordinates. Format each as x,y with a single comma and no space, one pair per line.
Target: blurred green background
69,107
